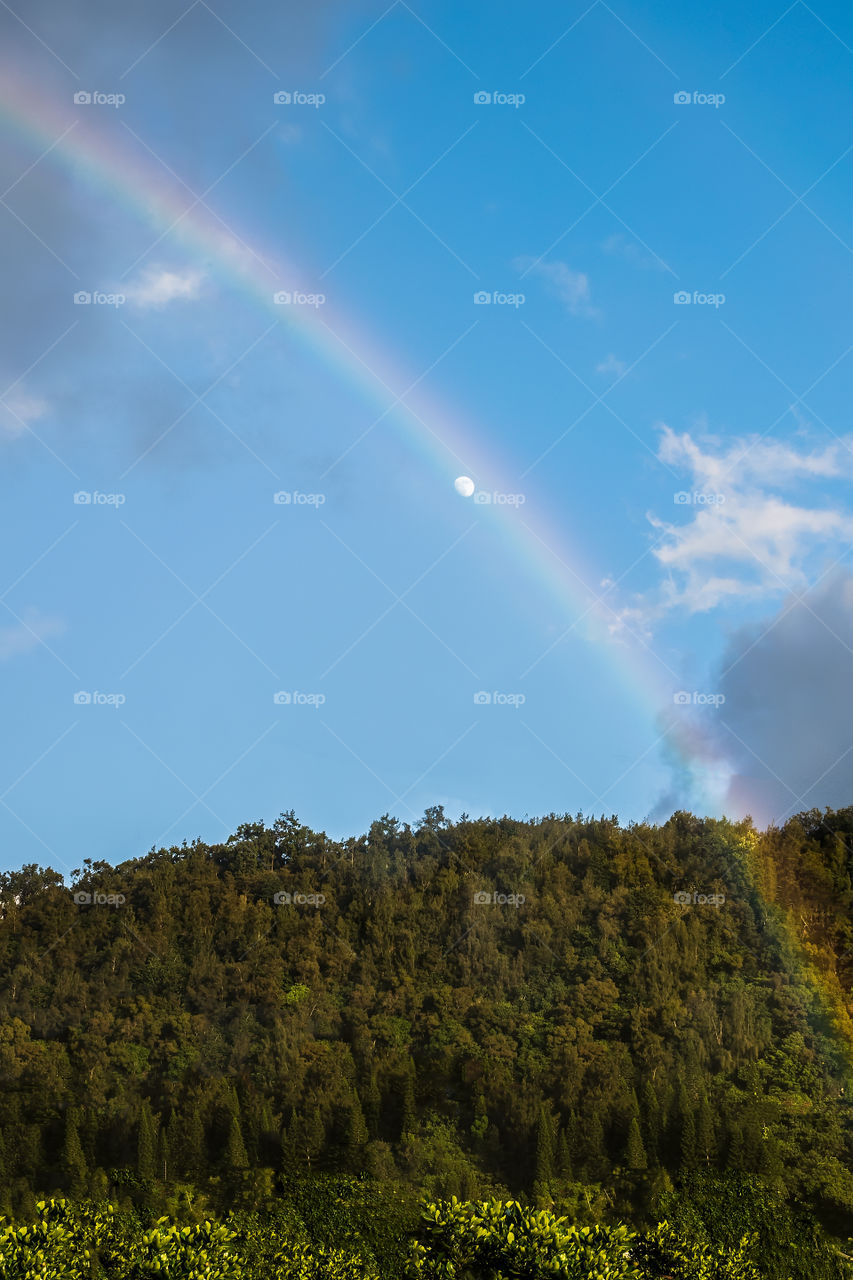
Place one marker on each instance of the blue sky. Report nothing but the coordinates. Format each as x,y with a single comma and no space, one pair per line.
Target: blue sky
192,599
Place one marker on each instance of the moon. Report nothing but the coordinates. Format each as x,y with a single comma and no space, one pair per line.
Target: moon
464,485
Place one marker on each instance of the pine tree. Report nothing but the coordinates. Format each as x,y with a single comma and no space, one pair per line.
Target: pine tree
480,1124
651,1122
705,1144
596,1163
564,1155
372,1106
195,1143
313,1135
146,1142
635,1151
235,1148
356,1136
407,1122
545,1156
73,1160
290,1159
688,1131
163,1154
268,1147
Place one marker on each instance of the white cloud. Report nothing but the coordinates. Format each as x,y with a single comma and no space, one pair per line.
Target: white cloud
746,535
611,365
571,287
619,245
18,410
754,459
159,287
27,634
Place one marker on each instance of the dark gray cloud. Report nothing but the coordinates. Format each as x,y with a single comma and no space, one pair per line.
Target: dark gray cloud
787,723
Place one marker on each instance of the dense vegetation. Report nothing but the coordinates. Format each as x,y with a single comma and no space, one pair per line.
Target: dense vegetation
630,1012
489,1240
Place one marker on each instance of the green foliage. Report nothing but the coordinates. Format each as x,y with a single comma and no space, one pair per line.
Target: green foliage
662,1253
495,1240
583,1049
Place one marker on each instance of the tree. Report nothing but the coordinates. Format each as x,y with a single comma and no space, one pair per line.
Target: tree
705,1143
687,1121
545,1157
146,1142
635,1151
73,1161
163,1154
356,1135
235,1148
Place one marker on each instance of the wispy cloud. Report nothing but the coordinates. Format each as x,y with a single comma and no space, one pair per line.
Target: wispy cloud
21,637
611,365
746,534
159,287
621,246
18,410
571,287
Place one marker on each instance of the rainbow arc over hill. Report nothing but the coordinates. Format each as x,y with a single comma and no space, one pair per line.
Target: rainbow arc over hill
120,169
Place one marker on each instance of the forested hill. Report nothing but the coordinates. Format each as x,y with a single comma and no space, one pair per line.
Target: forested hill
562,1008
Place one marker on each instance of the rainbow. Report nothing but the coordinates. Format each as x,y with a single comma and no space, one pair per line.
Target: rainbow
541,547
135,179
